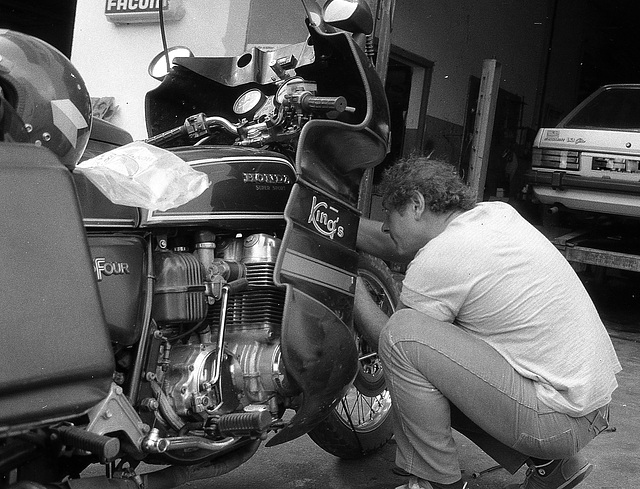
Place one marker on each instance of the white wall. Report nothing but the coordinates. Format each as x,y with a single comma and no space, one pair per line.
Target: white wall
457,35
113,58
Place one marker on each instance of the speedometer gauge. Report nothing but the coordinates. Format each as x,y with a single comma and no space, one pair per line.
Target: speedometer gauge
249,102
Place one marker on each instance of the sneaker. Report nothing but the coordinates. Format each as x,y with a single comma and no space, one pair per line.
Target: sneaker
569,473
413,484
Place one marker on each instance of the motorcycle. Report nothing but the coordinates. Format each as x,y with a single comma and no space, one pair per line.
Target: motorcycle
185,338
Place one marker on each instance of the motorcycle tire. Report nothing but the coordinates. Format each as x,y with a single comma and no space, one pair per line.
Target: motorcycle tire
361,423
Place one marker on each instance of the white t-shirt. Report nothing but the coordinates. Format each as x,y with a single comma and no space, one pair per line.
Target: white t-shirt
493,274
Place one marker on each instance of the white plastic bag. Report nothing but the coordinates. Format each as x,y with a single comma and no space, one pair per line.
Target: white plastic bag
140,175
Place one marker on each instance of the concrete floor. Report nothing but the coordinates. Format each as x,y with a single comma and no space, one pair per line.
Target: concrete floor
301,464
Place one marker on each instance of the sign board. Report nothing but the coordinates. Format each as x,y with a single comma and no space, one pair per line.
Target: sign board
138,11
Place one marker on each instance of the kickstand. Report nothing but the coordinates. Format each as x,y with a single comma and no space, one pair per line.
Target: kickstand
475,475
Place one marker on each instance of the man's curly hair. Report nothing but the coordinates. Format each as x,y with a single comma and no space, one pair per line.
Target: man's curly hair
436,180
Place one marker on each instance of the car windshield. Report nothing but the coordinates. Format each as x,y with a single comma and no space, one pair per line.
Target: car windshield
613,108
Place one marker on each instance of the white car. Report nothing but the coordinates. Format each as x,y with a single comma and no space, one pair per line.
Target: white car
591,160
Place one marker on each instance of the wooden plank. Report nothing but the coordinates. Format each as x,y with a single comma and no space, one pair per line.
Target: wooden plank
483,127
602,258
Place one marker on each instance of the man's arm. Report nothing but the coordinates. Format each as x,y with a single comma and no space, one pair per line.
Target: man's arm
369,319
372,240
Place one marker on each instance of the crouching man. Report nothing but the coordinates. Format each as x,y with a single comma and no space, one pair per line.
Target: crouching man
495,337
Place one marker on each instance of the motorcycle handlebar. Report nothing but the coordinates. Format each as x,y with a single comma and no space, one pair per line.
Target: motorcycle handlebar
199,125
323,104
194,127
167,137
222,123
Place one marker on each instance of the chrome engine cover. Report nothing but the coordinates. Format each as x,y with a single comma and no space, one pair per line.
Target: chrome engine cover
251,371
188,380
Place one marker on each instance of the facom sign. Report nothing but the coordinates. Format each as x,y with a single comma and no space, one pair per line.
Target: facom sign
137,11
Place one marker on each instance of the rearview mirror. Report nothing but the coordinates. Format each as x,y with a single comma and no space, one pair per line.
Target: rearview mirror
349,15
161,64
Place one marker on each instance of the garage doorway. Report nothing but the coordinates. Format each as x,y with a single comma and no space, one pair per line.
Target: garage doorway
407,89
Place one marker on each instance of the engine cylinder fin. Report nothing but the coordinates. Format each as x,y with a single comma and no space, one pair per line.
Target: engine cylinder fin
262,303
260,274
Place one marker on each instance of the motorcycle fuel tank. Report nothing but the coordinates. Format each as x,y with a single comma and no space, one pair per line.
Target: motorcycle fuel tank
249,189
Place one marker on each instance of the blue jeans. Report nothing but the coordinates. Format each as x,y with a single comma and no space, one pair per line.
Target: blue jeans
442,377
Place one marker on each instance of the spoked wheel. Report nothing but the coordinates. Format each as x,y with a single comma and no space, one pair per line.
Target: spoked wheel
361,422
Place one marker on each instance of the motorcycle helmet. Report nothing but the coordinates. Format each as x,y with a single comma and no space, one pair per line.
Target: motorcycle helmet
43,99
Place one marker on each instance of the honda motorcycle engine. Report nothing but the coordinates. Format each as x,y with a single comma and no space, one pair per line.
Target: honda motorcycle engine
218,314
